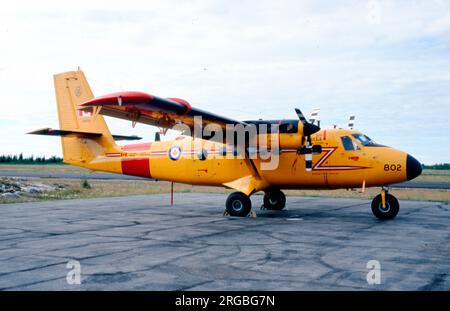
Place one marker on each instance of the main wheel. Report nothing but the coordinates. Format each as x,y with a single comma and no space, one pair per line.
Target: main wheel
389,211
274,200
238,204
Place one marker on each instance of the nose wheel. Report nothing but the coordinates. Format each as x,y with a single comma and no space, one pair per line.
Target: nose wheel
387,209
274,199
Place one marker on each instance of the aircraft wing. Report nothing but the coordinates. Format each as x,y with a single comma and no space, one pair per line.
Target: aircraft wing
144,108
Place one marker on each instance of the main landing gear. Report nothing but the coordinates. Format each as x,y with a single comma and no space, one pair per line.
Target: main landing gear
274,199
239,204
385,206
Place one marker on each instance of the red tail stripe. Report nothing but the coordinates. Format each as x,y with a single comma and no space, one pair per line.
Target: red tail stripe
136,167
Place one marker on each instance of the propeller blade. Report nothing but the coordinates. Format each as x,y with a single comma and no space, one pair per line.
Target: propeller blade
315,116
309,128
300,115
351,122
308,162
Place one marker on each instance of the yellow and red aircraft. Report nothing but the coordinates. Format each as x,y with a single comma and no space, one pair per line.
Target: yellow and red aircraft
289,154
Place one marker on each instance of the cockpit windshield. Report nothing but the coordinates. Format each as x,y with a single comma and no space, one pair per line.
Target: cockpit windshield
364,140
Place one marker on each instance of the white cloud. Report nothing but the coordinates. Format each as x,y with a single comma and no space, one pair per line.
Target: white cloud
440,26
386,61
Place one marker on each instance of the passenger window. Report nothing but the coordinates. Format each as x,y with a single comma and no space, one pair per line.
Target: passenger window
348,143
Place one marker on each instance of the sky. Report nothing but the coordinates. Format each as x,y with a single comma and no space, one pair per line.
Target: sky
387,62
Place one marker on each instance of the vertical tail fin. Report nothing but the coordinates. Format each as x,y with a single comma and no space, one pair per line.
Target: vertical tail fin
72,89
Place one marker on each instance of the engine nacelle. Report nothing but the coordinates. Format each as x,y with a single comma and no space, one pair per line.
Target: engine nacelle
290,141
289,135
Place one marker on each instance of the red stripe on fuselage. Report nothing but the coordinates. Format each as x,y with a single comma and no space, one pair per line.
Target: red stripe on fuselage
136,167
137,147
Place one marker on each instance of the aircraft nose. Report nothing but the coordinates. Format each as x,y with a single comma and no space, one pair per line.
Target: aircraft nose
413,167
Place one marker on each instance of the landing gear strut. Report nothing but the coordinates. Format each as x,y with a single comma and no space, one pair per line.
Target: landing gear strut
385,206
238,204
274,199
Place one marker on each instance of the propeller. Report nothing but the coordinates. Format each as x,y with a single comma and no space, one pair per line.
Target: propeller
308,128
351,122
308,149
315,116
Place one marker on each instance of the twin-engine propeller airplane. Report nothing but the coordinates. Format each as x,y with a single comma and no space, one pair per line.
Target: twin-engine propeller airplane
257,155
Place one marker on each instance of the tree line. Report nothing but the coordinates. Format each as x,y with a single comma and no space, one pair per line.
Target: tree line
440,166
20,159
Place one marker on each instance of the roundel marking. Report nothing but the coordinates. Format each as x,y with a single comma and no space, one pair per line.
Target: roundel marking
174,153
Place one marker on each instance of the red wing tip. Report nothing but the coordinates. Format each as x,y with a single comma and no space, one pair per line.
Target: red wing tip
182,102
113,98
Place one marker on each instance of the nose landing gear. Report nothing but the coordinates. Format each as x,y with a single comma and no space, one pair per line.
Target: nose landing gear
385,206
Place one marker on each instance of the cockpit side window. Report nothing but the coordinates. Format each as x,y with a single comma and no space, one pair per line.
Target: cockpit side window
348,143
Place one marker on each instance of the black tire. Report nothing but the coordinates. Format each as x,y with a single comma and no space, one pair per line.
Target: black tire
274,200
238,204
391,210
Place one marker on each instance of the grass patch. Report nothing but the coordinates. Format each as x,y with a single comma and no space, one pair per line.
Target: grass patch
85,184
74,189
45,168
427,174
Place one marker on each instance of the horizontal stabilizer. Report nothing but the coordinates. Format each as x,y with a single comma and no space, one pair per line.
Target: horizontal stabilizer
52,132
123,137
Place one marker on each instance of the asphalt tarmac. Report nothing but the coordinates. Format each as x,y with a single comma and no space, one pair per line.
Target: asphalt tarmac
143,243
111,176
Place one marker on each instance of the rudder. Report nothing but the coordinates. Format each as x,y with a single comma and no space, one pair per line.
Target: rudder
72,89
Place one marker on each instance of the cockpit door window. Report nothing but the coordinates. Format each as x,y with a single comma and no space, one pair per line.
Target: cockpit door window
348,143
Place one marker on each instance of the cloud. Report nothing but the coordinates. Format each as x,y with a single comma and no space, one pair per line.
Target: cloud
440,26
386,61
